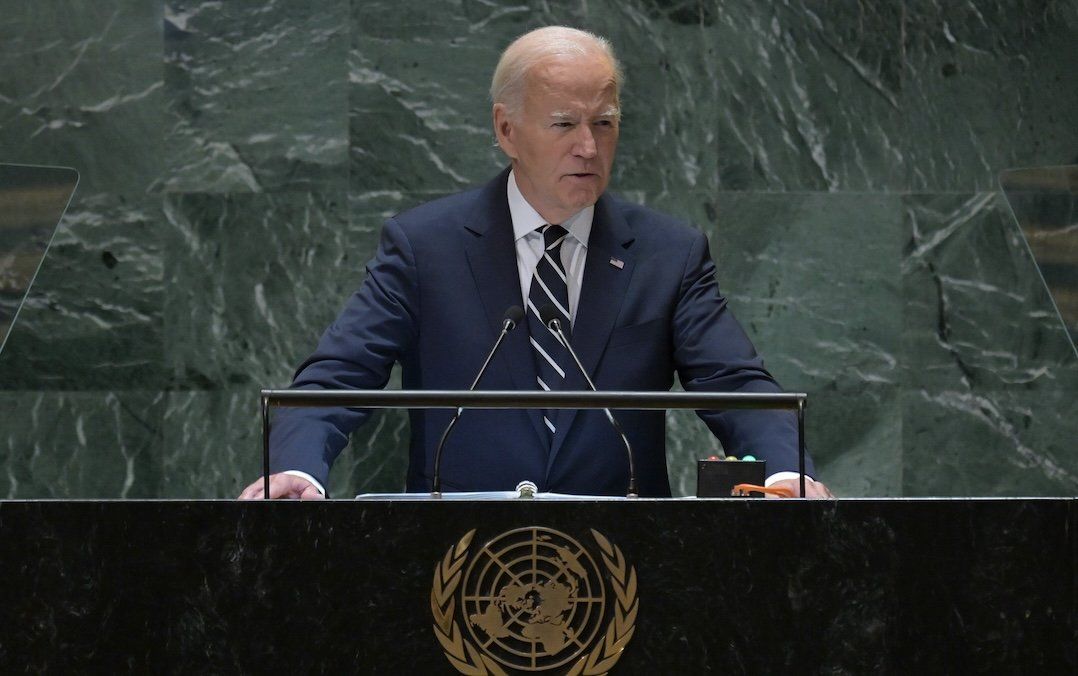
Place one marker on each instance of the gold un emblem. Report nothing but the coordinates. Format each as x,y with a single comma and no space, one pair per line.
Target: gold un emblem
533,599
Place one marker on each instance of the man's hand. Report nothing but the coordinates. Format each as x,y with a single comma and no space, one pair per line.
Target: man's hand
813,489
283,486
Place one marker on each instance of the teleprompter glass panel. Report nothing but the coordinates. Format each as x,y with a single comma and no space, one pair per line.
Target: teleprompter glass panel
1044,201
32,201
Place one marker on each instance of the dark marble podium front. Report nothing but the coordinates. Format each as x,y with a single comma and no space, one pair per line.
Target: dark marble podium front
725,586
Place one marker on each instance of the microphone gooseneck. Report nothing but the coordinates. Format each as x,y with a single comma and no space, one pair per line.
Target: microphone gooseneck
510,321
552,319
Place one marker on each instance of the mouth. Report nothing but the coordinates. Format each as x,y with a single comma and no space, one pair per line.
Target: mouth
582,176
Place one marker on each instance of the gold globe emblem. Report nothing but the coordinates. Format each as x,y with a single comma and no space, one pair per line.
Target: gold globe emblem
534,599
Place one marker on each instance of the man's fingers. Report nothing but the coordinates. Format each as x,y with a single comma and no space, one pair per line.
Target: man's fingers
252,492
311,493
282,486
816,489
286,486
813,489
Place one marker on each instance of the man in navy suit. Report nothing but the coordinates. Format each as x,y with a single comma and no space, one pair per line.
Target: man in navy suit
636,288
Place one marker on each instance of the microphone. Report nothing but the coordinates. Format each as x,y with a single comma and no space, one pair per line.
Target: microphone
510,321
552,319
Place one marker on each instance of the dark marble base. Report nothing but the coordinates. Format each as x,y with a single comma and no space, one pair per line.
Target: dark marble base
856,586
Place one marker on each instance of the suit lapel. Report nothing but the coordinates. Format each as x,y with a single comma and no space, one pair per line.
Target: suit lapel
602,292
492,259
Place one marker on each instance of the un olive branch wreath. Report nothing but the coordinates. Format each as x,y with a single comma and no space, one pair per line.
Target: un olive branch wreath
460,652
468,659
606,653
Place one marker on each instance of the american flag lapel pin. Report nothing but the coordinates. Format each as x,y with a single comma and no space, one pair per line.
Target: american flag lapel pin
617,263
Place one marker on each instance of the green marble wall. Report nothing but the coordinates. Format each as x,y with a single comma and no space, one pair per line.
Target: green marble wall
237,159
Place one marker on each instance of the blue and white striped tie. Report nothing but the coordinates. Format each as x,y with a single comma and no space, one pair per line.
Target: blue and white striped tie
549,288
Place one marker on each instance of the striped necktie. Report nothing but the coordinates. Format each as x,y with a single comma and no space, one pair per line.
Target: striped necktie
548,287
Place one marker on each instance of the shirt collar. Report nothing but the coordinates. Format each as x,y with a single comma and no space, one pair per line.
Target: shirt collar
526,219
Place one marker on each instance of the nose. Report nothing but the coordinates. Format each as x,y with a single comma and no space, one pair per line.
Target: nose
585,143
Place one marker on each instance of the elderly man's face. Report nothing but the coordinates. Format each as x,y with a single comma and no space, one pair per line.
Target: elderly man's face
563,141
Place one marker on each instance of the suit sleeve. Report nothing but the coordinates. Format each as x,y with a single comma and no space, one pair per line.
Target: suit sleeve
375,328
713,354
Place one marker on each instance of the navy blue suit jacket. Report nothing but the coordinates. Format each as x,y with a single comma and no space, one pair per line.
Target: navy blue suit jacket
434,298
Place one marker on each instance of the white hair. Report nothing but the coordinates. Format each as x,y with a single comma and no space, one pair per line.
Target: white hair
528,50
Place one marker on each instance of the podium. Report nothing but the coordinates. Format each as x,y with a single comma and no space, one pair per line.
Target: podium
462,400
722,586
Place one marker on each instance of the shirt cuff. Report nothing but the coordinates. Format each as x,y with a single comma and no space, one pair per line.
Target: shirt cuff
779,476
322,490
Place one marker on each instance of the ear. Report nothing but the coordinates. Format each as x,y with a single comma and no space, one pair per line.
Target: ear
503,130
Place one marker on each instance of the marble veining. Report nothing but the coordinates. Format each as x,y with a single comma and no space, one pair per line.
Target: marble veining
237,161
856,586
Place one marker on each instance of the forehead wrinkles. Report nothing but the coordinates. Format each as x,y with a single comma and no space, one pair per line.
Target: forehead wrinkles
563,99
576,76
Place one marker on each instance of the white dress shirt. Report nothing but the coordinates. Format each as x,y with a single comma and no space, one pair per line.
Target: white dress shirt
529,242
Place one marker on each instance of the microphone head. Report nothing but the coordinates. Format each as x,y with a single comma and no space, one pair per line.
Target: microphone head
513,315
548,315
